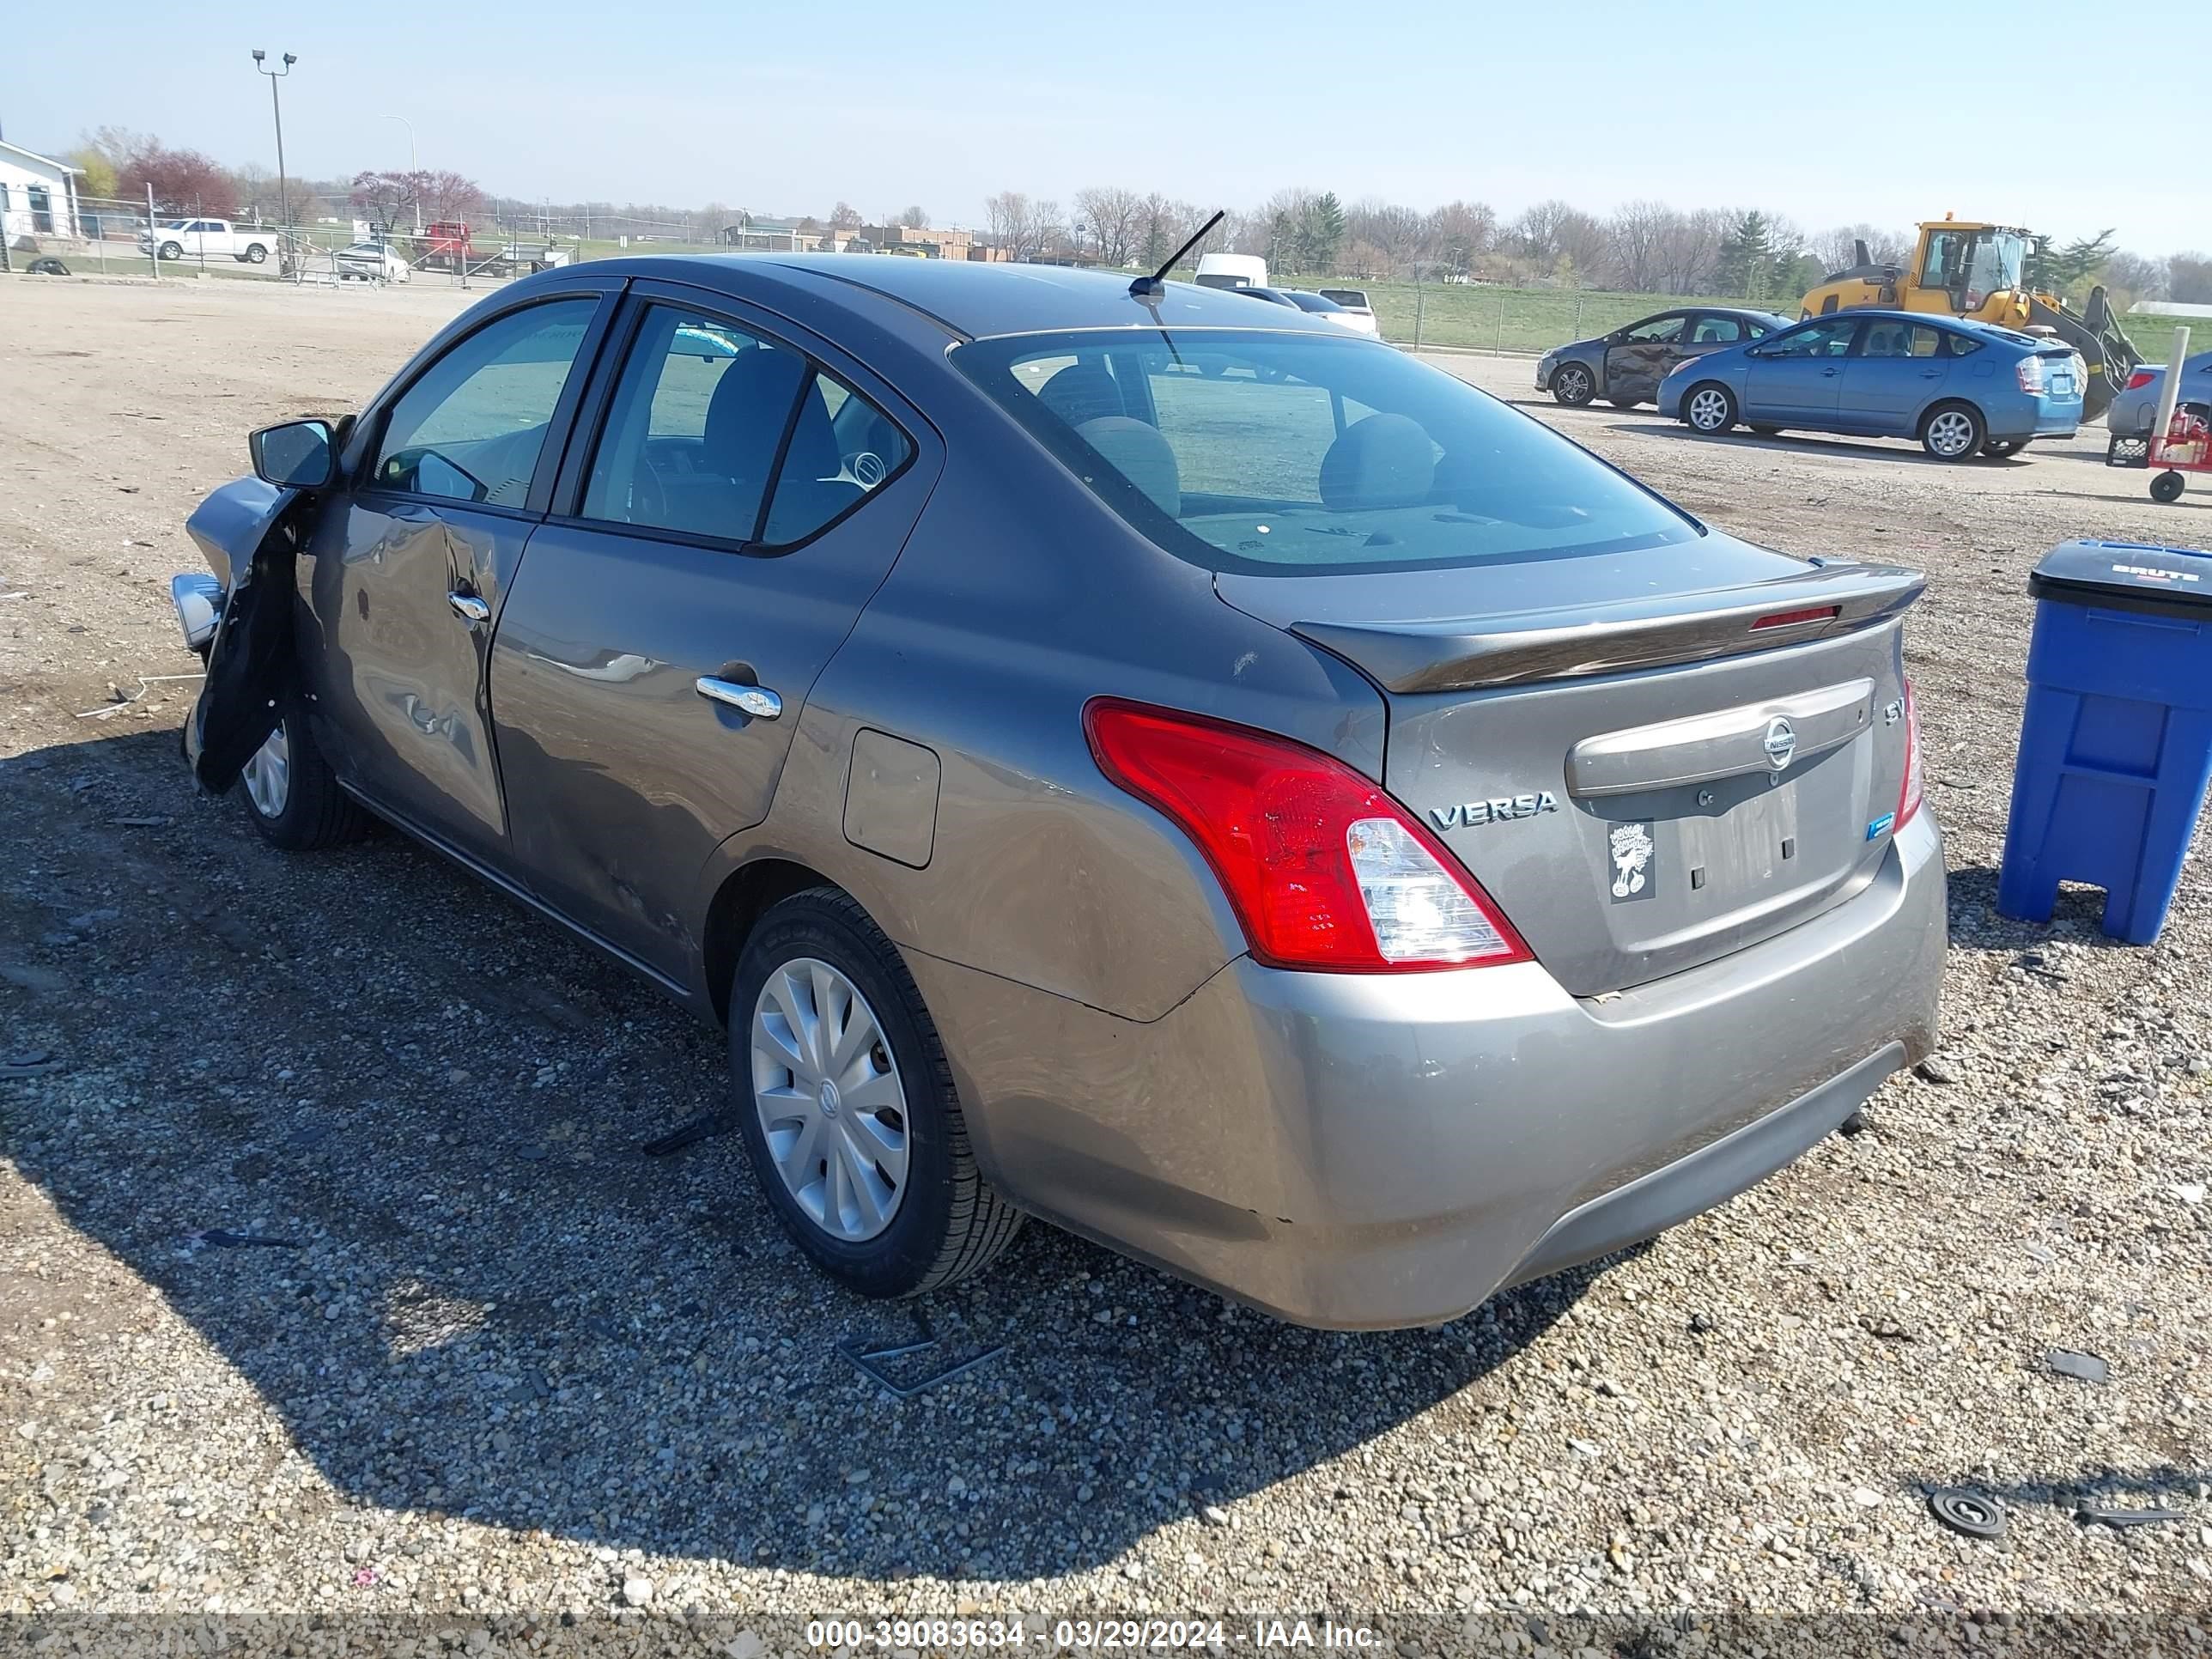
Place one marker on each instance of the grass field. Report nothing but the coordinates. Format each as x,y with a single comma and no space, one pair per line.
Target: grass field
2153,334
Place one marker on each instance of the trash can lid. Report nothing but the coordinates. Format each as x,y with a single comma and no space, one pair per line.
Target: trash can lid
2127,576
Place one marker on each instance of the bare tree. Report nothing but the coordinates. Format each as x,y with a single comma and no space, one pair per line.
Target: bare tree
1025,228
1113,220
844,217
1838,249
915,218
1397,233
2188,279
2140,278
1460,234
1636,237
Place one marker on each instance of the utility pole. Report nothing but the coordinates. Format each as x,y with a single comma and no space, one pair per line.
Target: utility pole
277,108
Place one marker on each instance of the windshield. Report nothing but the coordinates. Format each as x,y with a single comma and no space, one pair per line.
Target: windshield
1289,454
1996,264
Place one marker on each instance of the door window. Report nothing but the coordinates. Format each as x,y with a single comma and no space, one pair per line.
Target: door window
472,428
1946,265
1829,338
1717,330
1656,331
1887,338
716,431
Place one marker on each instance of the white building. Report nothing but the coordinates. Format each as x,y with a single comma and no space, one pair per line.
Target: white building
38,196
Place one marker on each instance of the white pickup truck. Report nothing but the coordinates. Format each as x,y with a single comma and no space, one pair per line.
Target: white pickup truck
197,238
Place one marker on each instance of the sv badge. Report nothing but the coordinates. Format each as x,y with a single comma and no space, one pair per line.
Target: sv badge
1472,814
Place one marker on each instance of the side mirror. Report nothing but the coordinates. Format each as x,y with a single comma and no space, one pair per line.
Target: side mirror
297,455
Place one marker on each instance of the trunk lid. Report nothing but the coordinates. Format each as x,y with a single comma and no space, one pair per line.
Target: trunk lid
1643,780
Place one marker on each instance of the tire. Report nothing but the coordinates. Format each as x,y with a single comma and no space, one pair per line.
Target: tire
293,796
1573,385
171,251
2167,486
1709,407
897,1207
1997,448
1953,432
256,254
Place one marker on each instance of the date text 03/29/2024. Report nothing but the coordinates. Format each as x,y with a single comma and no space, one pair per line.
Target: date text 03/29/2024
1138,1635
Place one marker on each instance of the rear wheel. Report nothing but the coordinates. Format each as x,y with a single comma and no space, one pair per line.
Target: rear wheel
1953,432
2166,487
848,1107
291,793
1709,408
1573,385
256,254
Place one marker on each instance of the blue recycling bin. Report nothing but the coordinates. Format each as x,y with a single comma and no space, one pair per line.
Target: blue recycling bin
2117,745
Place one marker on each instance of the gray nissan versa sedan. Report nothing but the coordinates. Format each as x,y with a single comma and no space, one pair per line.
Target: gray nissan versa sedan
1139,758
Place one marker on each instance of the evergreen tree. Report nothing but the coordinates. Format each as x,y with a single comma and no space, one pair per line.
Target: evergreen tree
1746,262
1324,231
2060,271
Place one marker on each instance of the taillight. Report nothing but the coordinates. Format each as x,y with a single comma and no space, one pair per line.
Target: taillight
1324,870
2030,370
1908,793
2139,378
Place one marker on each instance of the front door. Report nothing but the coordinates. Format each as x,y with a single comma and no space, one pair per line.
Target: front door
1797,378
1895,371
410,565
742,503
1638,359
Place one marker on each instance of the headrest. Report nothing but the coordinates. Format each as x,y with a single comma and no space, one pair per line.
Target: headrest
1382,460
1141,455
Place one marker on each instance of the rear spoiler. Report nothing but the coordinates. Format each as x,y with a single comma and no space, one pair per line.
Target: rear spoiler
1549,645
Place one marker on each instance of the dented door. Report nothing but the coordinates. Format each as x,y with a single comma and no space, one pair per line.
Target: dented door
411,565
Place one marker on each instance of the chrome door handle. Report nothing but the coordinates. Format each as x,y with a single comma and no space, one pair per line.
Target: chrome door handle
469,609
757,700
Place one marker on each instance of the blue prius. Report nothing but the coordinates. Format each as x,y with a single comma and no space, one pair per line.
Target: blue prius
1962,388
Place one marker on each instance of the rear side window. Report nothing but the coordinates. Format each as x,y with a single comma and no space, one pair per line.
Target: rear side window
1961,345
470,428
1291,454
717,432
1717,330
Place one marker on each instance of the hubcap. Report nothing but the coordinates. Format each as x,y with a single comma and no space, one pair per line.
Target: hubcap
1708,410
268,775
1950,433
1574,383
832,1109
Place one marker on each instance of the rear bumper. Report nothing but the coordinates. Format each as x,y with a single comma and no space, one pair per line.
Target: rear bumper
1349,1152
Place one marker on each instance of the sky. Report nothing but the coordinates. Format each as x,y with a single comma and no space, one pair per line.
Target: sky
884,103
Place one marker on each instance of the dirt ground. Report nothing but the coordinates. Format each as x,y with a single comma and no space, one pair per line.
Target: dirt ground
501,1360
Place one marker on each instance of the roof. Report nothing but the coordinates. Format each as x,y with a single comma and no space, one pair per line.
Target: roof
977,299
54,162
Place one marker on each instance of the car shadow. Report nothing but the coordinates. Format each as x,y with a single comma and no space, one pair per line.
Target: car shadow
375,1131
1894,450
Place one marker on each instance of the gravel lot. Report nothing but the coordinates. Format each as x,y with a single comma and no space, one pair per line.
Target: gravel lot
504,1364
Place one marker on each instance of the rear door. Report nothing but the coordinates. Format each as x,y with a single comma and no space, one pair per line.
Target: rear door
412,562
1797,378
1896,370
747,492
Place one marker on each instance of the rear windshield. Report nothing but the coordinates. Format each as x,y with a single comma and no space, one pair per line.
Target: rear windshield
1346,296
1289,454
1305,301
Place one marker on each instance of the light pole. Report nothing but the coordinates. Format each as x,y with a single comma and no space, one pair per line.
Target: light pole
414,166
283,191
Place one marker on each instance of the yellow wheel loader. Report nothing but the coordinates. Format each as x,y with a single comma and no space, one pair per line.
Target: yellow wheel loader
1965,270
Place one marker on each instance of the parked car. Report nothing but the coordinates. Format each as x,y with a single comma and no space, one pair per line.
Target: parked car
198,239
1962,388
373,262
1356,306
2135,407
1626,367
1317,304
1309,826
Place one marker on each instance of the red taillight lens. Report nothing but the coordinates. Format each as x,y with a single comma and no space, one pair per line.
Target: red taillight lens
1324,870
1792,618
1908,793
2139,378
2030,370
